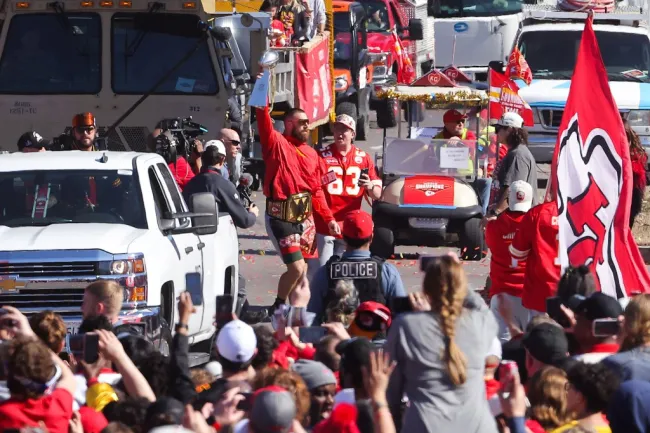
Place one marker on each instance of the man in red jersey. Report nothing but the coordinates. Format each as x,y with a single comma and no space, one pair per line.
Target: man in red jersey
507,281
350,175
293,185
536,241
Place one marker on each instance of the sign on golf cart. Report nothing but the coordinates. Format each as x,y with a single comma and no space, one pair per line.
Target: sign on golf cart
429,197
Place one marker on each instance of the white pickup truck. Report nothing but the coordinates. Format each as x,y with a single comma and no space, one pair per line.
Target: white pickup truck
70,218
549,40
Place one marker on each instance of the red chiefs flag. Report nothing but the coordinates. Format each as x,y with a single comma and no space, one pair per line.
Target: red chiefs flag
592,179
518,67
405,71
504,96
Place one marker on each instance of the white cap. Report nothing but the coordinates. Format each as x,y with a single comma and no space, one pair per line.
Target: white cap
495,349
510,118
214,368
221,148
345,396
520,198
236,342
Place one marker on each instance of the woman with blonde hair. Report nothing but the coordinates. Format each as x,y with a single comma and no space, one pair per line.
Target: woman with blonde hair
548,398
633,359
440,355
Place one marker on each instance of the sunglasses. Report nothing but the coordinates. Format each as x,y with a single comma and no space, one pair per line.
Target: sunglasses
81,129
235,142
302,122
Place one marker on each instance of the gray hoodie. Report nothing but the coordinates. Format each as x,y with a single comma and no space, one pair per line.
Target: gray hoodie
416,342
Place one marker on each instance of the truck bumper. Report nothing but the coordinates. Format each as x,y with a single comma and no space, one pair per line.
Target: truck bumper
542,146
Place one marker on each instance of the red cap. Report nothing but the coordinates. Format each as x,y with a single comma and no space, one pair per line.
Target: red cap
357,225
379,310
452,116
91,420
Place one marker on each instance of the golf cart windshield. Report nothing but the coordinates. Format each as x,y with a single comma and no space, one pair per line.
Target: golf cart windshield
424,156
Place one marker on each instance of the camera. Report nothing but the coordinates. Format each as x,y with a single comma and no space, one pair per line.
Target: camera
177,138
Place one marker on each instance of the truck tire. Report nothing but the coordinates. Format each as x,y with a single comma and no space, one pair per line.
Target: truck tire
363,113
383,243
163,342
347,108
388,112
472,242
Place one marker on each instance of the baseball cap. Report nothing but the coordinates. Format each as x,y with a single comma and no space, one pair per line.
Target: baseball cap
547,343
520,197
170,408
380,310
357,225
314,373
451,116
511,119
346,120
273,410
221,148
83,119
600,306
236,342
32,139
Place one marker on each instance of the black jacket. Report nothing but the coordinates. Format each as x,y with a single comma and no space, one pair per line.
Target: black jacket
210,180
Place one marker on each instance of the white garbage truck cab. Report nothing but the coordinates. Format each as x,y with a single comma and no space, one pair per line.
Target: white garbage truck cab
59,58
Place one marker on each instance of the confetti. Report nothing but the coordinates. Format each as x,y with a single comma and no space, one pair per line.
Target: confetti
262,253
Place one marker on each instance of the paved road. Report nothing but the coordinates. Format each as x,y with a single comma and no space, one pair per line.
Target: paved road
261,266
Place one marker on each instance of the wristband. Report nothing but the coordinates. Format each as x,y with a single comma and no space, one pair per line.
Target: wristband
377,406
180,326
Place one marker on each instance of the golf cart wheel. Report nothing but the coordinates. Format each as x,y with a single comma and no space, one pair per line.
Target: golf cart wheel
347,108
383,243
472,244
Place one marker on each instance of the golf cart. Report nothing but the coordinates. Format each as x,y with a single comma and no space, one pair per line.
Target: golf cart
428,197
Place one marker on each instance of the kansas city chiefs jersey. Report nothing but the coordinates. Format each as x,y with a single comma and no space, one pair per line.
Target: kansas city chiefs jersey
341,180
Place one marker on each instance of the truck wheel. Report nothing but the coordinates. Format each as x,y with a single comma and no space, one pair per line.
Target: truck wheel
415,111
472,243
163,341
388,113
347,108
383,243
363,126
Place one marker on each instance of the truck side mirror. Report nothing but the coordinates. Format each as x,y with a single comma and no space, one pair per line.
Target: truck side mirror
497,65
205,207
416,30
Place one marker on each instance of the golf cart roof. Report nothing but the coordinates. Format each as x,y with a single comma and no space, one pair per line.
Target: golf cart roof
437,97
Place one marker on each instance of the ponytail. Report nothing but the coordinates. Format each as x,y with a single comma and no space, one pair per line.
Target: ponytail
446,286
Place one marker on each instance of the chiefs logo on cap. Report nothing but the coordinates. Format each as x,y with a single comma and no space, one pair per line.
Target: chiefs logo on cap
521,196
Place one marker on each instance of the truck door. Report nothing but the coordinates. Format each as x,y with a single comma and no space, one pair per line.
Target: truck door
188,274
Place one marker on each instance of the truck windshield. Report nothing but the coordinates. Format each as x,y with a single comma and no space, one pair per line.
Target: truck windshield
377,16
41,198
52,54
141,57
475,8
551,55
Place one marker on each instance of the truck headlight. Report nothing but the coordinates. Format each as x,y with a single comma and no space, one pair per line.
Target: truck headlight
638,117
130,266
341,84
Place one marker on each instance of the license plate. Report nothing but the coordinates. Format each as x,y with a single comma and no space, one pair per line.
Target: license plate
428,223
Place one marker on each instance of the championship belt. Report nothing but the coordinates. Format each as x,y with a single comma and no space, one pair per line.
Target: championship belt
295,209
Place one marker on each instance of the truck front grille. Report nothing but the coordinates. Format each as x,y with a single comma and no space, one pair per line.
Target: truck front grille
47,270
66,302
551,118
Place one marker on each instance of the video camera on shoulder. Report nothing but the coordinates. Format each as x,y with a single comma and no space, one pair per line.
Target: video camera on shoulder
177,138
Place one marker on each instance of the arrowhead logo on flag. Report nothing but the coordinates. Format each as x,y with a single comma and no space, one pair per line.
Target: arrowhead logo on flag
504,97
518,67
592,180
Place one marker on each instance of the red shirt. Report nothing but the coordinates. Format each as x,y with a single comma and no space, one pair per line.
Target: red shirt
55,410
286,349
499,234
182,172
639,162
469,135
291,167
536,241
343,194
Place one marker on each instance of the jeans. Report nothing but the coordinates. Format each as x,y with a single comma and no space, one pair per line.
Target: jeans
520,315
482,187
328,246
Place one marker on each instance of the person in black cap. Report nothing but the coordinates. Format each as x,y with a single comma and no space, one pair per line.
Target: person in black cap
594,347
32,142
545,344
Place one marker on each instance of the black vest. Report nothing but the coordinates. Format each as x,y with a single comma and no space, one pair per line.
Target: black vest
365,273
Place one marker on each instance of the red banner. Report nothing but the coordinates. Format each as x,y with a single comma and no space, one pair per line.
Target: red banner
504,96
429,190
591,178
405,72
314,81
518,67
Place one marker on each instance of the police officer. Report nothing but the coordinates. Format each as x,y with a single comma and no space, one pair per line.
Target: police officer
211,180
374,279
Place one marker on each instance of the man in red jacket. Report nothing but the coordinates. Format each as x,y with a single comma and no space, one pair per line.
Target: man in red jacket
293,186
536,241
508,281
